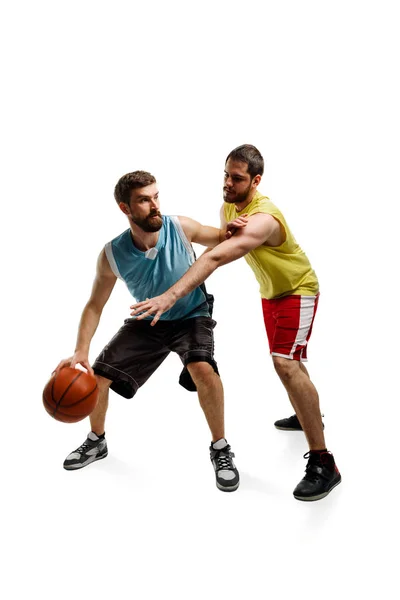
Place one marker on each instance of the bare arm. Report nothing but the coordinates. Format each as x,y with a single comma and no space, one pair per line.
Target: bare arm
102,287
259,229
210,236
200,234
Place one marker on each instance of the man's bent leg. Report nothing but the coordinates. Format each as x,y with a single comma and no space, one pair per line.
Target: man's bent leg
304,398
211,396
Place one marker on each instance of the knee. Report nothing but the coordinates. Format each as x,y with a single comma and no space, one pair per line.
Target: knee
102,382
285,367
200,371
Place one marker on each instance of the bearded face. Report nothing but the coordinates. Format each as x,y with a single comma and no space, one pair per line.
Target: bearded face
150,223
236,197
144,208
238,183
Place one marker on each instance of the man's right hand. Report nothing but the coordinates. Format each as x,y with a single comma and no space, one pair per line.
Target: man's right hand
79,357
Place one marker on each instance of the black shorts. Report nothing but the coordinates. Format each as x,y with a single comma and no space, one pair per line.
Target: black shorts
138,349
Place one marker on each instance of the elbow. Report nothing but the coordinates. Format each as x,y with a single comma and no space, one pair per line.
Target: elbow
94,308
215,260
220,257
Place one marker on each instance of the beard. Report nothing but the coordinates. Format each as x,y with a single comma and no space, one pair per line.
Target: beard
236,198
149,224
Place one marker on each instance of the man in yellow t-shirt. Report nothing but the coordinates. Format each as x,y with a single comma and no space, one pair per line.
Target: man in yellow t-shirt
289,295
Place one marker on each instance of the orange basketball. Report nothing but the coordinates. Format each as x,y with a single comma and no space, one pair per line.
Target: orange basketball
70,395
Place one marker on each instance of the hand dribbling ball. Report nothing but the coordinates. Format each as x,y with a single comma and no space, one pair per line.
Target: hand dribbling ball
70,395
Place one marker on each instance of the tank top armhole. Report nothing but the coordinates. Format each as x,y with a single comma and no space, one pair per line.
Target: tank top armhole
283,227
175,221
281,222
110,257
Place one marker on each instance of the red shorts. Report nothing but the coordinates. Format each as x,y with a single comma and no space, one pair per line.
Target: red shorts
289,322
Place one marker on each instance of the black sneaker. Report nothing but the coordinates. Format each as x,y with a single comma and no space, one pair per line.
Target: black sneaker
94,448
322,475
291,424
227,475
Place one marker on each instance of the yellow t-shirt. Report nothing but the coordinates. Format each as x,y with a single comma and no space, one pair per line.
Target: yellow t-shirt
280,270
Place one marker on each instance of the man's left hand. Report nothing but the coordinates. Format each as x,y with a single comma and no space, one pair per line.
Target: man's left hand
153,306
236,224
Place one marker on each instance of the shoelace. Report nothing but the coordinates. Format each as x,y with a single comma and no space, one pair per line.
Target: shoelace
224,459
313,467
82,449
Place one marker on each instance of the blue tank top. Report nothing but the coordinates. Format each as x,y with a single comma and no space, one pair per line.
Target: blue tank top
149,274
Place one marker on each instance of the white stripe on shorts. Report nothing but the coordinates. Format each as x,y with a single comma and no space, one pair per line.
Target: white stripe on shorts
290,356
307,305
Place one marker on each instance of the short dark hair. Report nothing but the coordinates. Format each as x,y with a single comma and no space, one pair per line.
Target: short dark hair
249,155
129,182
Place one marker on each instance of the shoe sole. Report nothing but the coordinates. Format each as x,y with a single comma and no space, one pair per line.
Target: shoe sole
233,488
292,428
287,428
320,496
87,463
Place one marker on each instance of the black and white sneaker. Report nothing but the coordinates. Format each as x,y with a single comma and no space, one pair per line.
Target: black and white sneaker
226,474
94,448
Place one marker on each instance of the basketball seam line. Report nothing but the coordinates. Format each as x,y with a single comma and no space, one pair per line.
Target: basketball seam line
65,392
82,399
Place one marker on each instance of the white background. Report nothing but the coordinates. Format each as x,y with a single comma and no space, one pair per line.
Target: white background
92,90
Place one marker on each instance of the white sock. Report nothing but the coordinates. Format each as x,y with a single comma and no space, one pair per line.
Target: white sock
220,444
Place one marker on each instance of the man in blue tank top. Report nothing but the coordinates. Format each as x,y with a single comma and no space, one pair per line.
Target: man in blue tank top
150,256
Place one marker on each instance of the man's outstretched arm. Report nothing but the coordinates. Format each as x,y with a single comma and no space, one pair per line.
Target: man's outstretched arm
258,230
